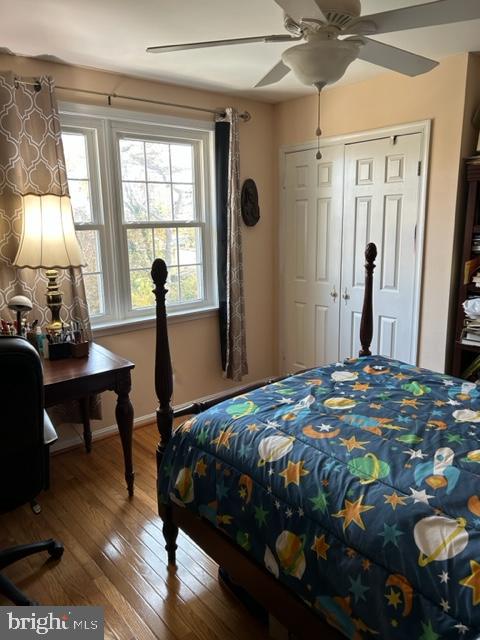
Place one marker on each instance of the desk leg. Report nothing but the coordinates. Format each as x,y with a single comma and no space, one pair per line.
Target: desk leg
87,432
124,415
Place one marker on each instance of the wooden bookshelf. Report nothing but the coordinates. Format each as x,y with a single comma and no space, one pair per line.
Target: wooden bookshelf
464,354
469,347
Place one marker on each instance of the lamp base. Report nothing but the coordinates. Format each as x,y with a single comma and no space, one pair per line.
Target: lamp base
54,301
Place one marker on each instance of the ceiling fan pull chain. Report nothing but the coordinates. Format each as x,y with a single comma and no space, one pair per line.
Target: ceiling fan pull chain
318,132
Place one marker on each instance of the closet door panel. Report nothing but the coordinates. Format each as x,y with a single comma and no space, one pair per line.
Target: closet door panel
312,258
381,204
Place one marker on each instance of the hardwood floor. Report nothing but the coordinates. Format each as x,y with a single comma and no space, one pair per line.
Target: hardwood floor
114,552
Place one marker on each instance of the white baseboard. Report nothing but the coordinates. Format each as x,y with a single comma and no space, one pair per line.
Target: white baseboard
99,434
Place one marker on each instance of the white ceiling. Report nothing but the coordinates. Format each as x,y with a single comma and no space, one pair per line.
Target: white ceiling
113,35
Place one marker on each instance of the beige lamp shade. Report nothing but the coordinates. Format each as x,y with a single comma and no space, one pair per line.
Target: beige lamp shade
48,238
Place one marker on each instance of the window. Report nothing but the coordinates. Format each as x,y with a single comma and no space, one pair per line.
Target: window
160,218
79,147
141,190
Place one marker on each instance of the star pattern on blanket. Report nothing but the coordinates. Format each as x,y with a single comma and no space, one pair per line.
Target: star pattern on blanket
394,500
352,513
294,472
320,546
356,485
223,438
473,581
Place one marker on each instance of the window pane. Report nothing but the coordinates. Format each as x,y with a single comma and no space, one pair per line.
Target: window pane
158,162
189,246
132,159
159,189
135,202
190,284
89,241
166,245
173,296
182,162
94,291
160,201
183,202
141,289
75,150
140,248
80,197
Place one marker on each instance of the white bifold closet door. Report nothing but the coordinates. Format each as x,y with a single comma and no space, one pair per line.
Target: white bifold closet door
358,193
382,199
313,250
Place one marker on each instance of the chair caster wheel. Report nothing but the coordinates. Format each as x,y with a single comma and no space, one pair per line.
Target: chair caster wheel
56,550
36,508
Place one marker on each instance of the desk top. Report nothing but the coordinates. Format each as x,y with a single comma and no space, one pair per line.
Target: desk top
100,360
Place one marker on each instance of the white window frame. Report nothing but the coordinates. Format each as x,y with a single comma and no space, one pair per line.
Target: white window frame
95,141
103,127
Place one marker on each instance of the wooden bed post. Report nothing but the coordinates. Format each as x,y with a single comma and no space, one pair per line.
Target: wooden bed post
164,390
366,326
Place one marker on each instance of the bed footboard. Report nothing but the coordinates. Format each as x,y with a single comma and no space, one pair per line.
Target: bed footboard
164,390
164,378
366,325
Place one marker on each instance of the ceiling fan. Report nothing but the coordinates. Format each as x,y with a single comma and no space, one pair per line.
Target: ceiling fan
336,34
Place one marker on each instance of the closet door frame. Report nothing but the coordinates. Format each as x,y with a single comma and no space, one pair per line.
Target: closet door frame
424,128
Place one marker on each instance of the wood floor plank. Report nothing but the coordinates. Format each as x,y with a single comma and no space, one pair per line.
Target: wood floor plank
132,621
114,552
116,559
188,553
151,558
76,570
189,569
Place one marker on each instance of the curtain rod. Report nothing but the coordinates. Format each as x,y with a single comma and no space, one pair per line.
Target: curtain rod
245,116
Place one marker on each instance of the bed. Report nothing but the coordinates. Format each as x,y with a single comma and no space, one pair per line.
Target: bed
345,499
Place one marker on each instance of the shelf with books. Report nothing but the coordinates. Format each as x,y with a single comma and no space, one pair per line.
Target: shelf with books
468,347
466,360
473,289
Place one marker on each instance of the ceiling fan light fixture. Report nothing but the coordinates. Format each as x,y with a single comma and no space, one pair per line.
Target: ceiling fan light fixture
320,62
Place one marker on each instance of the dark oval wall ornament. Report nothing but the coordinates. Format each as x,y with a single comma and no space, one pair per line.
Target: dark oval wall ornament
250,208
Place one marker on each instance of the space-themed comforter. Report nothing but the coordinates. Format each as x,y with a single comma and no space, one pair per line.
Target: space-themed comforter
356,485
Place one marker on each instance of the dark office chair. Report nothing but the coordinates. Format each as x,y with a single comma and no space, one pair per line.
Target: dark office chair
25,436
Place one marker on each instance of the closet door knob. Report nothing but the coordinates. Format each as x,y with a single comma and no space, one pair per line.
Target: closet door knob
346,295
334,294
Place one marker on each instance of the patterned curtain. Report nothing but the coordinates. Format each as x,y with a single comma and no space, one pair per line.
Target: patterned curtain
32,161
232,303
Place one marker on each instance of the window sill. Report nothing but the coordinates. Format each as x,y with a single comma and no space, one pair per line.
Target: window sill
138,324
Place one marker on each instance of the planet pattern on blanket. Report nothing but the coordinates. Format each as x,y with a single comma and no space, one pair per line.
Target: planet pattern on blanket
356,485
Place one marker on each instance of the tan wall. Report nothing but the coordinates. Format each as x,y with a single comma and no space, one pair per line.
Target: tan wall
194,344
392,99
386,100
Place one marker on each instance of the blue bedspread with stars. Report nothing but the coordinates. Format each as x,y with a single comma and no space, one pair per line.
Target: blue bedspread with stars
356,485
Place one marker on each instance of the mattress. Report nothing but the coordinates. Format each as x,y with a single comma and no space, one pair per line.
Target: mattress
356,485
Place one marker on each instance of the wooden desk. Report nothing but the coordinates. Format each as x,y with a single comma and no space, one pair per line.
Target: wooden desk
79,378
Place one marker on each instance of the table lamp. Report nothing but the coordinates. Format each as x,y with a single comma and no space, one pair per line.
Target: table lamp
49,242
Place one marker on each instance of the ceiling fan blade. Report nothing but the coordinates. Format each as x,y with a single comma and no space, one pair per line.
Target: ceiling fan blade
422,15
220,43
298,9
276,74
395,59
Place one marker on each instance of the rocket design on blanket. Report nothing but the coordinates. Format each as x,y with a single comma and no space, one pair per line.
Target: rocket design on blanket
356,485
440,472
